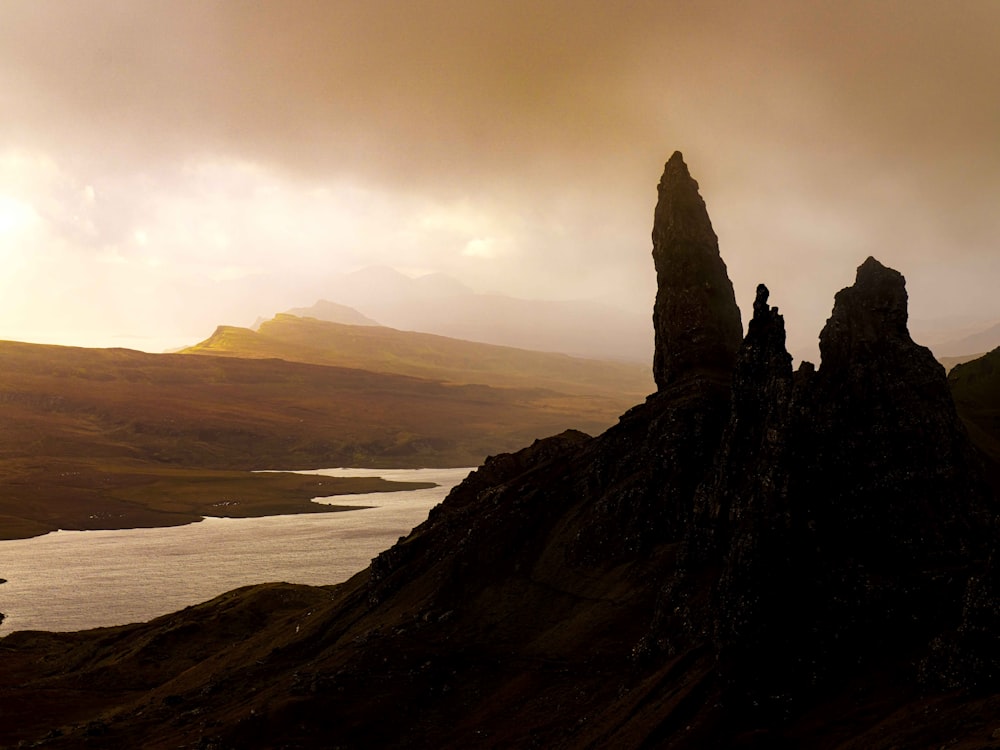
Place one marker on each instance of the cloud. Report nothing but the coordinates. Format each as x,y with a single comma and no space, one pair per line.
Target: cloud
253,140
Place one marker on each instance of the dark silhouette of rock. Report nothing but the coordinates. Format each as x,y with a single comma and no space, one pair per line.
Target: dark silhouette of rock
892,468
750,558
975,386
696,320
845,501
757,433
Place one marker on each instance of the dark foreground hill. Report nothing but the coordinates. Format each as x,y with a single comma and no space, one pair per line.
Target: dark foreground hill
976,389
753,557
980,341
113,438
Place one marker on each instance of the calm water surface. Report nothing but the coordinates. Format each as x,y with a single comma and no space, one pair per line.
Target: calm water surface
73,580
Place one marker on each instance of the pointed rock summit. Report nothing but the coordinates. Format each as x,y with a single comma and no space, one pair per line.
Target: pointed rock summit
696,320
888,454
868,314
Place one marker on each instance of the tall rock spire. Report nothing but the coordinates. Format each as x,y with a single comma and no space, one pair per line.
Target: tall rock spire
696,320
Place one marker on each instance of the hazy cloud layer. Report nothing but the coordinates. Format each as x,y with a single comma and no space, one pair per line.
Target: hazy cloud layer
176,163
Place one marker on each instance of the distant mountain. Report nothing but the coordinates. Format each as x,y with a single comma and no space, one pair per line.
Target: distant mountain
330,312
425,355
981,341
976,388
437,303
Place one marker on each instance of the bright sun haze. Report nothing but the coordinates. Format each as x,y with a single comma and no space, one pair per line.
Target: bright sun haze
166,167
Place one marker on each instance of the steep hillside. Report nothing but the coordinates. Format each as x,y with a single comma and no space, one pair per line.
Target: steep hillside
976,388
751,558
425,355
951,363
93,438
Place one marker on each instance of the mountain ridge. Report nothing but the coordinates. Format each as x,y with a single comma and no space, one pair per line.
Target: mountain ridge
426,355
115,438
981,341
439,304
329,311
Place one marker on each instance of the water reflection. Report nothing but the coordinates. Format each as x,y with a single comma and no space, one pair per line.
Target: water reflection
72,580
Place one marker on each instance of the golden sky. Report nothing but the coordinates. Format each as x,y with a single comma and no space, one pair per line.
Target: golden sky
169,166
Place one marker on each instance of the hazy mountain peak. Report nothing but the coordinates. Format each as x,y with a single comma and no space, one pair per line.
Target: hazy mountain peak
330,312
440,304
442,284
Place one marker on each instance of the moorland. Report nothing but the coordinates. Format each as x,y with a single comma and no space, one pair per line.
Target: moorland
115,438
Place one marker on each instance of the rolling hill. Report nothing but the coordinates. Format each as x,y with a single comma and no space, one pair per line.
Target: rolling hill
425,355
113,438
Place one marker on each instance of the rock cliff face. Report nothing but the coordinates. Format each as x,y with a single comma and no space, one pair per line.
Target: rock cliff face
751,558
696,321
839,504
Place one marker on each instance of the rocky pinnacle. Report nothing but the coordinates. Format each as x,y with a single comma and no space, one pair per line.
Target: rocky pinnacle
867,317
696,321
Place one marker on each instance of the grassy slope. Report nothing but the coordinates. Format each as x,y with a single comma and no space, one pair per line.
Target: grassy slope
106,438
198,670
159,674
425,355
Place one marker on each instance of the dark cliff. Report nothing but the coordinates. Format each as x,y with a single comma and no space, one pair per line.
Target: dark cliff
751,558
696,321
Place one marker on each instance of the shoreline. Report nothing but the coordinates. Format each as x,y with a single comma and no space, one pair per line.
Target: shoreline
117,498
132,575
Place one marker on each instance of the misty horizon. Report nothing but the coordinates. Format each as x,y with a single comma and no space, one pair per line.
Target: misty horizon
166,168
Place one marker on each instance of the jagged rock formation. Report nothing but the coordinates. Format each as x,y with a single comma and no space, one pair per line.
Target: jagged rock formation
751,558
840,503
696,321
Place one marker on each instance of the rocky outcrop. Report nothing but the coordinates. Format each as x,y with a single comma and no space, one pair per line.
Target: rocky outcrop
734,564
892,482
842,503
696,321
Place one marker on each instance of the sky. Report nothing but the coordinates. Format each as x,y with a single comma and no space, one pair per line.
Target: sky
169,166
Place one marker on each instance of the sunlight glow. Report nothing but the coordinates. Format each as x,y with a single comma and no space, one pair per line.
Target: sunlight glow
481,247
15,215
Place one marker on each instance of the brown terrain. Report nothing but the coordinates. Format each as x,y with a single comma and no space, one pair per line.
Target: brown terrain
113,438
425,355
753,557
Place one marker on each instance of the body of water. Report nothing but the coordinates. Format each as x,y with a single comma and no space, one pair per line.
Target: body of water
74,580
